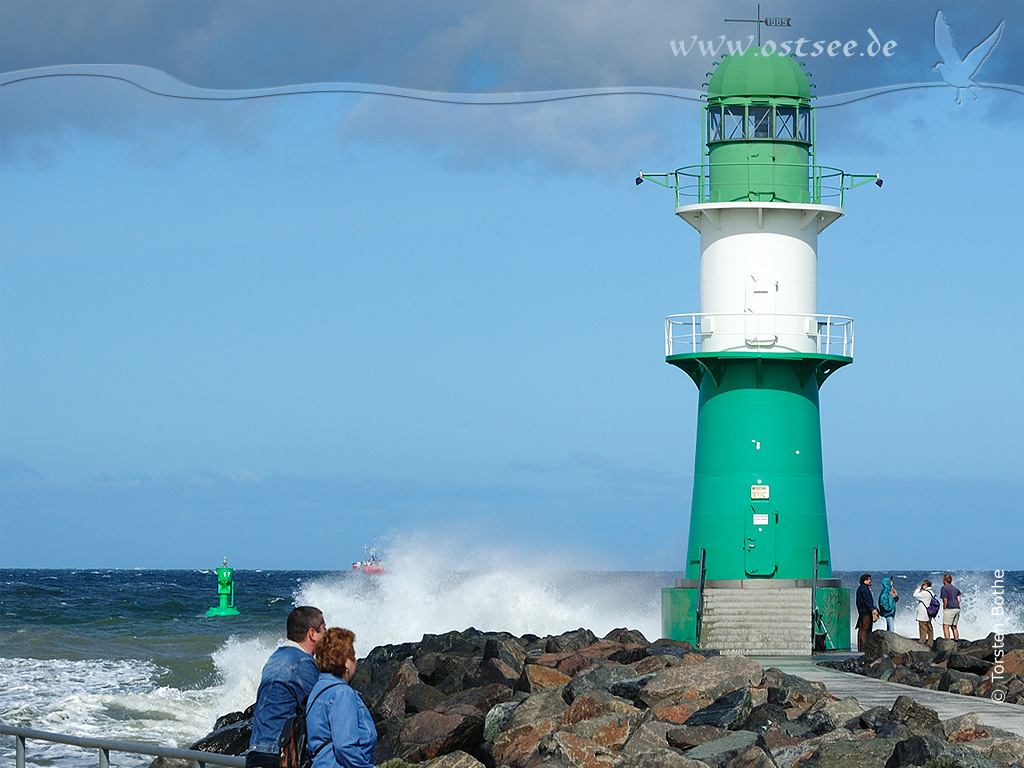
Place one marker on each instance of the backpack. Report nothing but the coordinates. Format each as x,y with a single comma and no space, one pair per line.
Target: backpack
933,607
295,748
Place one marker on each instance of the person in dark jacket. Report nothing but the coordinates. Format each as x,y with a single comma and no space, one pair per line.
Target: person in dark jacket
867,614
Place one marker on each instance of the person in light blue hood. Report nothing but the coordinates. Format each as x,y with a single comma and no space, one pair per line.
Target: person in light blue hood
887,599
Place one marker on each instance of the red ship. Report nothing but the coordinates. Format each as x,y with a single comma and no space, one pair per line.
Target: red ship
371,564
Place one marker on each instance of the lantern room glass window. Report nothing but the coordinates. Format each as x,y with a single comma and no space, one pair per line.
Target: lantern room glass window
785,122
734,118
759,122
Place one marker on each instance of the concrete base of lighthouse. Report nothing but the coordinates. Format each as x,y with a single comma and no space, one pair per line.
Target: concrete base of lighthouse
758,617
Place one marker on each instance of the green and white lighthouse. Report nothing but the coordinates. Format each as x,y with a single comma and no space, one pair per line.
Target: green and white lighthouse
758,564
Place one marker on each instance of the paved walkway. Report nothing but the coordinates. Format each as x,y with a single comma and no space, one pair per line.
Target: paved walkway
873,693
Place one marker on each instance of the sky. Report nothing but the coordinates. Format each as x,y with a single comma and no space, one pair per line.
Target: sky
412,291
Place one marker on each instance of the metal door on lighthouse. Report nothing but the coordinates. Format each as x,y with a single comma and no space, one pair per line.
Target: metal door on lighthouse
759,539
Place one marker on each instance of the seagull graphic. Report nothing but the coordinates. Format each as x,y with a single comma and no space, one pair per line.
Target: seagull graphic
959,72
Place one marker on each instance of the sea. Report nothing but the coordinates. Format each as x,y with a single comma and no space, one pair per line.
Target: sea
130,654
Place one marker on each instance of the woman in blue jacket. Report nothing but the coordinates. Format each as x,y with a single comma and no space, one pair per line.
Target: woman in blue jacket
887,603
339,728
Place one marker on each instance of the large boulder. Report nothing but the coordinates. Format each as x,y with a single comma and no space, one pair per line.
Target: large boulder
720,751
709,679
730,711
882,643
927,751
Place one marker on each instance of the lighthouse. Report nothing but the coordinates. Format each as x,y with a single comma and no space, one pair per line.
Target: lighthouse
758,571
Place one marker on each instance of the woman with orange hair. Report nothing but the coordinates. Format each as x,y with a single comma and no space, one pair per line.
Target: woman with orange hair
341,733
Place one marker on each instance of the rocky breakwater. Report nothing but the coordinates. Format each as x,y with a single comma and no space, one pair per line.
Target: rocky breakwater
470,699
992,667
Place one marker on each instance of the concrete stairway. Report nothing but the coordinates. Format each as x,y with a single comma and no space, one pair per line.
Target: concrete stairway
757,622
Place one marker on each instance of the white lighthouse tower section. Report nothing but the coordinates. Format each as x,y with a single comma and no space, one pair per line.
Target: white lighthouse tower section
759,275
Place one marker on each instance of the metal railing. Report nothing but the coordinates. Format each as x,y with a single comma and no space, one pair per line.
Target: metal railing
702,582
739,331
105,746
692,183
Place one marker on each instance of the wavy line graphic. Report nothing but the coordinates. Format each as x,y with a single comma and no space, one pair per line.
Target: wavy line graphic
160,83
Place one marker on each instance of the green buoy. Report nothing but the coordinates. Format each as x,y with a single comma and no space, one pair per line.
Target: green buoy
225,593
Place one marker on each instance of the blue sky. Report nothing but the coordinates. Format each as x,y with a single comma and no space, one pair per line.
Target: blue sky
274,328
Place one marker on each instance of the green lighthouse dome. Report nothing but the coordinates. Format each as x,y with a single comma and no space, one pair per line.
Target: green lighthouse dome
756,73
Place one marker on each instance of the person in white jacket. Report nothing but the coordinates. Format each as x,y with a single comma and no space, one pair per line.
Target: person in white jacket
924,596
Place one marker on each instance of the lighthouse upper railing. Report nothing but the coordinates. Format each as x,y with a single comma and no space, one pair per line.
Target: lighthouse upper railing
750,332
824,184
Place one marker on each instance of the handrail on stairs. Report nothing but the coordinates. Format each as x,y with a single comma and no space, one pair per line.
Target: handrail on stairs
700,594
814,601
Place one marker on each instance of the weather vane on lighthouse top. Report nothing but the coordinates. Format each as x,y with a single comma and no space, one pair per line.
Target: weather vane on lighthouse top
769,21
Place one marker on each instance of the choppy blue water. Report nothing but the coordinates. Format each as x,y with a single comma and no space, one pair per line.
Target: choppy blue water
130,654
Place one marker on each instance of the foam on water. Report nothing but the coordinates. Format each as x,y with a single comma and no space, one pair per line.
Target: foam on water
434,587
117,699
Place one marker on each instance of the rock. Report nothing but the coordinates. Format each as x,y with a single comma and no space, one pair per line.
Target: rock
1012,663
475,701
546,706
536,678
763,716
1003,748
710,679
230,719
720,751
927,751
595,704
576,751
958,682
391,702
882,643
649,736
570,641
842,711
519,746
603,678
172,762
421,697
629,687
815,722
495,671
729,710
230,740
659,758
754,757
431,734
623,635
611,730
507,651
953,724
973,733
495,719
874,717
689,736
795,692
786,757
962,663
918,718
857,753
456,759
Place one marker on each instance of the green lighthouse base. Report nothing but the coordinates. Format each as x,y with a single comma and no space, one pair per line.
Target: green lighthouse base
757,617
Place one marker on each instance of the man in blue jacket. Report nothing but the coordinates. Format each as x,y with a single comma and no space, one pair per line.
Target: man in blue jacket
866,611
288,676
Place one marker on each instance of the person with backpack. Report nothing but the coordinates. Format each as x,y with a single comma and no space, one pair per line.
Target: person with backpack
887,600
288,677
339,728
927,609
